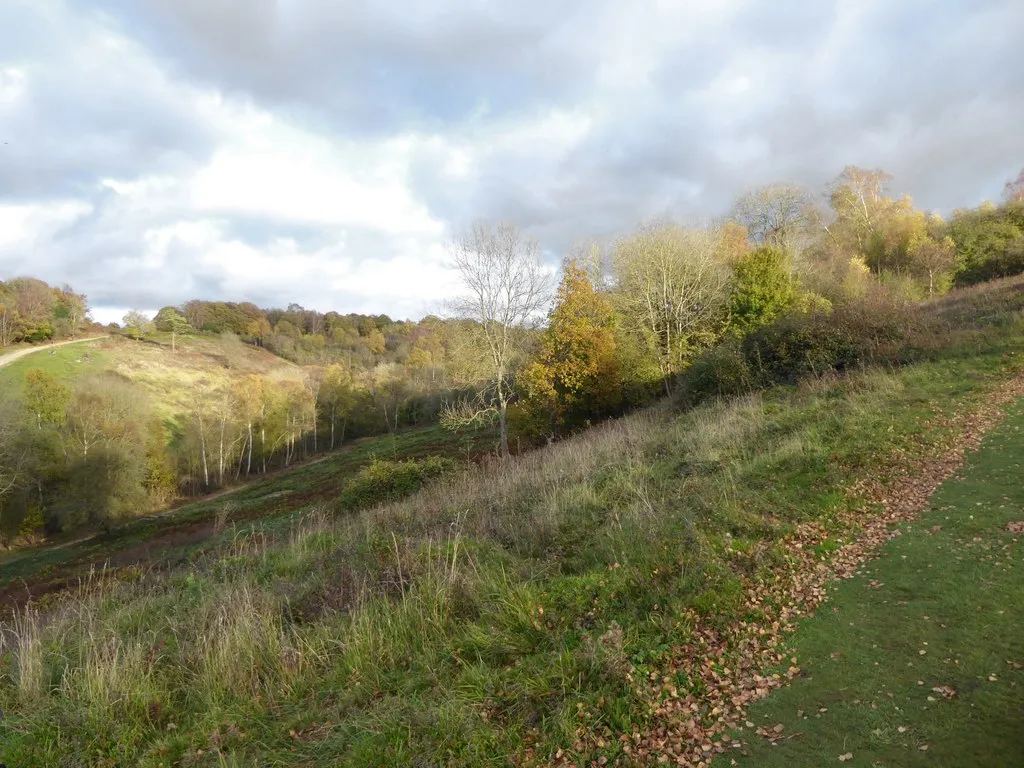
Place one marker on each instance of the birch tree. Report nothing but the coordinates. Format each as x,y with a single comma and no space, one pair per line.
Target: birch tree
507,287
672,285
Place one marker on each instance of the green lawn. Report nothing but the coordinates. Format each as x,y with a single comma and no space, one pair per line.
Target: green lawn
919,660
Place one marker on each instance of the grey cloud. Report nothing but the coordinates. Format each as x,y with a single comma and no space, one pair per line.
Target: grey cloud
932,93
370,67
89,110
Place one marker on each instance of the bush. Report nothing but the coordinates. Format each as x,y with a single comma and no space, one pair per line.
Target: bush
385,480
873,328
720,372
797,346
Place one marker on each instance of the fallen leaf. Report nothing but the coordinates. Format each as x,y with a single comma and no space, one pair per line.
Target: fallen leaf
847,756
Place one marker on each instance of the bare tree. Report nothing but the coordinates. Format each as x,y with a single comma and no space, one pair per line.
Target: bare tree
507,288
776,215
672,282
1013,192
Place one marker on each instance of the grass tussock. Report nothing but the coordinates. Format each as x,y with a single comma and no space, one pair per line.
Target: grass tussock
491,615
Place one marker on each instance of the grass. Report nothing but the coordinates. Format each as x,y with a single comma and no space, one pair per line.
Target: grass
919,659
172,381
63,363
267,505
500,615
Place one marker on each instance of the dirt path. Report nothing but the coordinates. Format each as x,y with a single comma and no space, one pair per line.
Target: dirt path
10,357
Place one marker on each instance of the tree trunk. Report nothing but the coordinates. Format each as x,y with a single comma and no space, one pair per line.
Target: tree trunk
220,462
332,427
263,447
503,428
248,467
202,443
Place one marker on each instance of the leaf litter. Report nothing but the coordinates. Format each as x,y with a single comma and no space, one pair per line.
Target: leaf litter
730,669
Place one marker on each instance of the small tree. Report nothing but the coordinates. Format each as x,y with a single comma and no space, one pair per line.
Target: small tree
507,286
137,324
575,374
46,397
762,290
170,320
933,260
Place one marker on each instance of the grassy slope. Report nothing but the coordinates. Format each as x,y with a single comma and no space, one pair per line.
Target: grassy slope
506,613
172,380
266,505
942,607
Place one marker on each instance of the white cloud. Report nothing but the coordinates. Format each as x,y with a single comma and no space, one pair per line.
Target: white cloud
296,152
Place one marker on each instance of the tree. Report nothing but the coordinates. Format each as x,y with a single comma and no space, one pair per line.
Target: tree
9,317
860,205
1013,192
313,382
46,397
574,377
34,302
13,460
137,324
507,287
250,396
337,397
934,260
170,320
762,290
775,215
74,307
672,287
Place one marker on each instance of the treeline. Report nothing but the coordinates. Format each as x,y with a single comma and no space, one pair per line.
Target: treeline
32,311
789,282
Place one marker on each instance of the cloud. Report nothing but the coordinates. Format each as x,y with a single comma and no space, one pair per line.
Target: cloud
326,153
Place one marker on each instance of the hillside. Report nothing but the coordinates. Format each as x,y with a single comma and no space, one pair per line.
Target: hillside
172,380
623,595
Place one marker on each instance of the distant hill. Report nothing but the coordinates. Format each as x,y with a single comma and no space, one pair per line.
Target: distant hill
173,380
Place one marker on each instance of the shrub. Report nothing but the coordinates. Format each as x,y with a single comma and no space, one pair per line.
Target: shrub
763,290
719,372
385,480
796,346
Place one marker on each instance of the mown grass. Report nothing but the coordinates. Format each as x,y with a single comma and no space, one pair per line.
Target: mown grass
490,617
919,660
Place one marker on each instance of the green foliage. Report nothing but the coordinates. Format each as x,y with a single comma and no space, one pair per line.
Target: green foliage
763,290
136,324
388,480
989,243
170,320
722,371
32,523
45,397
574,376
798,346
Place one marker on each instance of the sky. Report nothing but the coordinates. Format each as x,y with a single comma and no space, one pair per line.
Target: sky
327,154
